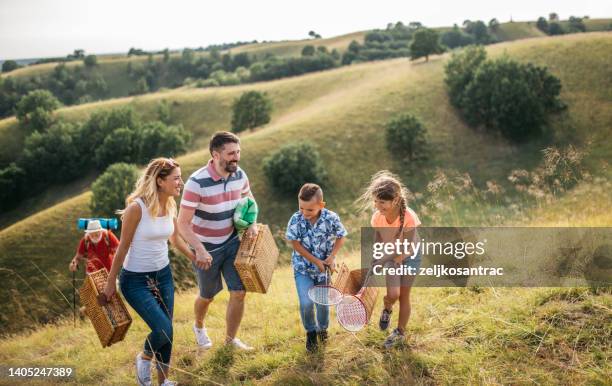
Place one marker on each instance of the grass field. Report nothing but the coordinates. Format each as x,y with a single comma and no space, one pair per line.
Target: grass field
455,336
342,112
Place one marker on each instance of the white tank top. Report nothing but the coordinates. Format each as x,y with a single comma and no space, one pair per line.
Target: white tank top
149,249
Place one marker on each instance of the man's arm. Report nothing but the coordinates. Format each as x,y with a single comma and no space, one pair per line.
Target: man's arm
203,259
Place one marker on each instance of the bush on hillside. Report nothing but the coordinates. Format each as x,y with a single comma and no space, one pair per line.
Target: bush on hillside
250,110
456,38
405,136
291,166
119,146
9,65
502,95
425,42
460,70
110,190
34,110
90,61
52,156
155,139
12,182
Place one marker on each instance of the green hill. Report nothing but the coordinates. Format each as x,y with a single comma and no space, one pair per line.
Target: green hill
342,112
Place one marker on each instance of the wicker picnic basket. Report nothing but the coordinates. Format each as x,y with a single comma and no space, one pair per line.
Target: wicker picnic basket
256,260
350,283
111,321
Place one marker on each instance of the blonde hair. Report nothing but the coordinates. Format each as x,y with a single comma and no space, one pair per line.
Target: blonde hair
146,187
386,186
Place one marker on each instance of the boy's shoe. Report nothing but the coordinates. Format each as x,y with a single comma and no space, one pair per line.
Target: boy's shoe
237,343
396,337
168,382
202,337
385,318
322,336
311,341
143,371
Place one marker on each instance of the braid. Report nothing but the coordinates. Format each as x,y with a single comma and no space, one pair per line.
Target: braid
402,205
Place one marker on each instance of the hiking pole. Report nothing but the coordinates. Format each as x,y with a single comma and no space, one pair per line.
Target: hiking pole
74,296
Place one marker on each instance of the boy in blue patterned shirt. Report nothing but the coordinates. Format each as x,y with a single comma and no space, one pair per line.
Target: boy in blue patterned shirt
316,235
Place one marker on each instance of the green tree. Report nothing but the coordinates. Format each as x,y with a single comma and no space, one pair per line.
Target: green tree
308,50
90,60
425,43
9,65
576,24
542,24
555,29
512,98
405,136
493,25
291,166
141,87
118,146
36,108
159,140
12,181
110,190
52,156
459,71
251,110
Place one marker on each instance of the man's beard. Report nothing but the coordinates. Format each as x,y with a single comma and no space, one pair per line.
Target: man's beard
230,167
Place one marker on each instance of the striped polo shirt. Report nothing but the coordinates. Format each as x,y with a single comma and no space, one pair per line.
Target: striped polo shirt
214,199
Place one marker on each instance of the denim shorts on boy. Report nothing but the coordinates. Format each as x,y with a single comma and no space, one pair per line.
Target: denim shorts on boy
209,280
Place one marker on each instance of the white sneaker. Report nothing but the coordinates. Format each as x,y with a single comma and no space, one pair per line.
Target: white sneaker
168,382
202,337
143,371
237,343
395,338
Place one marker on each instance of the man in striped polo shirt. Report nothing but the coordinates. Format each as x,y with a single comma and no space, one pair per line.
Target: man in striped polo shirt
205,220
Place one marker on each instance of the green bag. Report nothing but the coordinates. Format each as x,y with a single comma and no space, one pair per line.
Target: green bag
245,213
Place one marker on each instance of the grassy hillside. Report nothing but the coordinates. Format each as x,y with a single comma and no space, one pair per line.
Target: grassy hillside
518,30
342,112
294,47
455,336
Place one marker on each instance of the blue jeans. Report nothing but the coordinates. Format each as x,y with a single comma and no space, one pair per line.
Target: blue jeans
151,295
303,283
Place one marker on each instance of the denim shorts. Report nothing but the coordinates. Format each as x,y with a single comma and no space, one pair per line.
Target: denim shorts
209,280
404,280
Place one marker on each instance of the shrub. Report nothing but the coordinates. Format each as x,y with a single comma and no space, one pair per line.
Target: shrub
36,105
12,180
90,60
9,65
118,146
111,189
511,98
292,165
460,70
405,137
52,156
252,109
155,139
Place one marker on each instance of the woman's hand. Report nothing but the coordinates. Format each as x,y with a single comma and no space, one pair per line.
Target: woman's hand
110,289
398,259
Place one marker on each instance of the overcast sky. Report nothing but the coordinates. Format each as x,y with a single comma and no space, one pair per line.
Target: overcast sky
39,28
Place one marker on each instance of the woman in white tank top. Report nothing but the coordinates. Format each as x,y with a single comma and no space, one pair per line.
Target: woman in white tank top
148,222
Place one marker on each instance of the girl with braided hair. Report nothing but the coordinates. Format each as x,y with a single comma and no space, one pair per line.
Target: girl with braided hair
393,220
